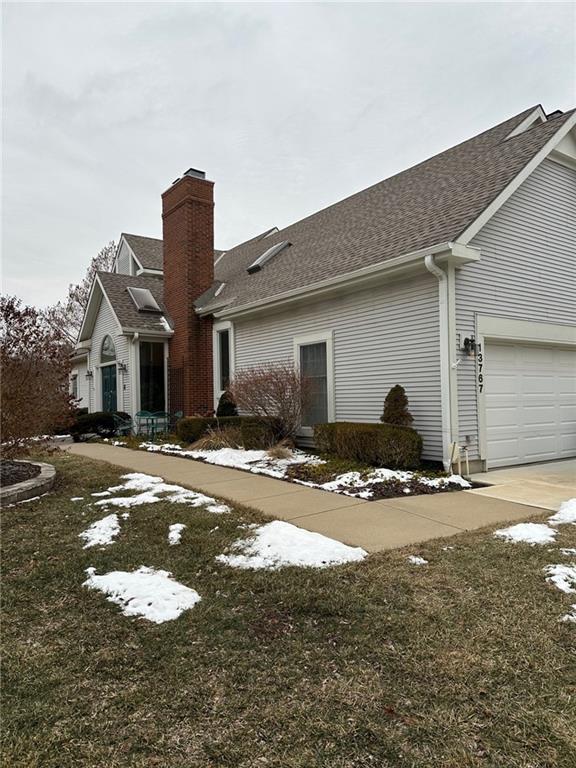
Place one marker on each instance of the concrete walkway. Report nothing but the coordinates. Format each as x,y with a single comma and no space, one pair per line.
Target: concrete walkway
545,485
374,525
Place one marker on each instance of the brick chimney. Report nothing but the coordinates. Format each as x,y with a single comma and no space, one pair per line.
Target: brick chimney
188,231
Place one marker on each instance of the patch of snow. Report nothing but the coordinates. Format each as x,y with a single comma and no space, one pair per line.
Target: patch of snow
146,592
102,532
154,489
77,498
566,513
571,616
562,576
175,533
529,533
568,551
279,544
416,560
101,493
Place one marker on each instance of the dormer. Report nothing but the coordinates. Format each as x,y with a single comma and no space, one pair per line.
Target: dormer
137,255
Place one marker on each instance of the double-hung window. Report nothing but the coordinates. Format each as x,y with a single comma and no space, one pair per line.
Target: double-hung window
313,356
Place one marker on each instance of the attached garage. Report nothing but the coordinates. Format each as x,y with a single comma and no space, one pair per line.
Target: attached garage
530,403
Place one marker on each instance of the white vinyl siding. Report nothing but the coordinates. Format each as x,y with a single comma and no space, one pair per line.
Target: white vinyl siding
383,336
105,325
527,270
125,264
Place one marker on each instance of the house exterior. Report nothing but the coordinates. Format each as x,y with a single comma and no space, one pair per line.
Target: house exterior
455,278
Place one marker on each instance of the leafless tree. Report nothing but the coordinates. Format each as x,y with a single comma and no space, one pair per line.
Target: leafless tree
67,315
274,391
34,363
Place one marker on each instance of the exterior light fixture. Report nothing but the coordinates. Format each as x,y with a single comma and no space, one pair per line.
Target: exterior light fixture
89,374
122,366
470,345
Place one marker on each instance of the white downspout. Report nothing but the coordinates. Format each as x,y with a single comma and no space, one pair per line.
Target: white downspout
445,377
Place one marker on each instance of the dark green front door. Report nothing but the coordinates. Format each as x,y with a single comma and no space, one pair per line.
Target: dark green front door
109,388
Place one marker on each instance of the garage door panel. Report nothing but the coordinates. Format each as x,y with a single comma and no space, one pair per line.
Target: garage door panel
530,403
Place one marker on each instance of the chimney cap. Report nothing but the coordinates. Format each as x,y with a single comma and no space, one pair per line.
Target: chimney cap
195,173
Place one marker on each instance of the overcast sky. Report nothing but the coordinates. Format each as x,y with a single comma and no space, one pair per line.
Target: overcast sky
287,107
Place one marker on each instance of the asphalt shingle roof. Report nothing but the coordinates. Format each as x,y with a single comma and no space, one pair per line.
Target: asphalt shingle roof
148,250
431,203
115,287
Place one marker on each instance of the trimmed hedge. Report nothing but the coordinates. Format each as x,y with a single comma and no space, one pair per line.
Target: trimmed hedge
100,423
380,445
256,433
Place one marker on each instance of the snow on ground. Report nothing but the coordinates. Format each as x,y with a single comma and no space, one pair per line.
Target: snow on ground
416,560
568,551
153,489
261,463
571,616
278,544
146,592
175,533
562,576
77,498
102,532
101,493
529,533
566,513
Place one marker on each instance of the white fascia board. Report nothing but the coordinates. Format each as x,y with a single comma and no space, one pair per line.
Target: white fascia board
90,310
136,259
145,271
146,332
358,277
488,212
537,114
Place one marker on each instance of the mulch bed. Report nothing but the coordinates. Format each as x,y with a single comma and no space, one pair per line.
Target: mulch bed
12,472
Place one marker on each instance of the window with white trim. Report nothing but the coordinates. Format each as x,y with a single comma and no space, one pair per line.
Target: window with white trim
314,367
223,359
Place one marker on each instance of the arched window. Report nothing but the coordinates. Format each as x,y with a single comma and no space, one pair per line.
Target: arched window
108,351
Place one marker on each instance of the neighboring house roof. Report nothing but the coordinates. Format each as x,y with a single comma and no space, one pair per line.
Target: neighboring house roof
433,202
115,287
148,251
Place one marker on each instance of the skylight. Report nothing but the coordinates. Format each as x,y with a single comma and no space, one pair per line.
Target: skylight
144,300
257,265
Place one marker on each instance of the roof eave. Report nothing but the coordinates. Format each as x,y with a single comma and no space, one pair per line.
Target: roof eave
147,332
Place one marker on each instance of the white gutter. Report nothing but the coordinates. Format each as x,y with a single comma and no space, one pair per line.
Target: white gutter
445,344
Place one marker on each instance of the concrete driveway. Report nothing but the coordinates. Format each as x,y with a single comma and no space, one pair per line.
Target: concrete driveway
544,485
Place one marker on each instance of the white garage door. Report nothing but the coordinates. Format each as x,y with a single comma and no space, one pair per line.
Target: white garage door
530,403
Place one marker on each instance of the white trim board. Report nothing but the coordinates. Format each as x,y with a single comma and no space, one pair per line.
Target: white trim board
488,212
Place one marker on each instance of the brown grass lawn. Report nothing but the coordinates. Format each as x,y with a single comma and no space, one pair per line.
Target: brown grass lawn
462,662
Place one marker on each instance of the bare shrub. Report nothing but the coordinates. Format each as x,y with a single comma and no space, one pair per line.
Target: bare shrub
274,391
34,362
